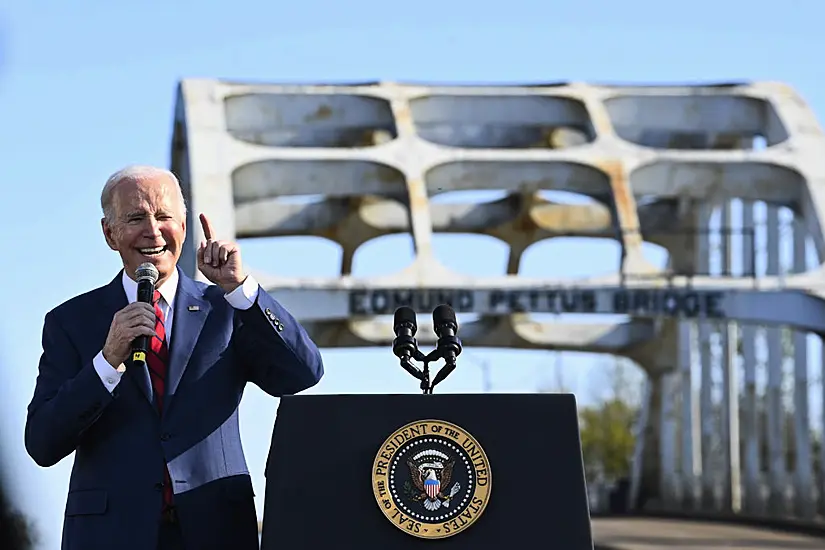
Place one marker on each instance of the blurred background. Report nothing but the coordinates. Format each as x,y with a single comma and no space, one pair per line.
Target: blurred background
89,86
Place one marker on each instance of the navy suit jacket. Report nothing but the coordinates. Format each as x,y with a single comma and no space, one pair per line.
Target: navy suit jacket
120,441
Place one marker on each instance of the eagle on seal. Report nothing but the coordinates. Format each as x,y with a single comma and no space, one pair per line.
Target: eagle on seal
431,484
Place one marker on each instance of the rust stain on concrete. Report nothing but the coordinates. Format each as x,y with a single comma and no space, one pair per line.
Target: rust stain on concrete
323,112
626,211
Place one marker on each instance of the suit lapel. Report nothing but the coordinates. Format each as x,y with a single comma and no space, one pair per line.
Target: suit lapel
191,311
115,300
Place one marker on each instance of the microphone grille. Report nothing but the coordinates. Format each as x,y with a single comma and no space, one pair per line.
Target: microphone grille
147,271
444,314
404,314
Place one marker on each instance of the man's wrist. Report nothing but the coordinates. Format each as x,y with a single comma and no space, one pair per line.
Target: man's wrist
107,357
109,374
228,288
244,295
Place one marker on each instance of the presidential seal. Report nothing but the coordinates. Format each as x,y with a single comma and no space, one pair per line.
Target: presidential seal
431,479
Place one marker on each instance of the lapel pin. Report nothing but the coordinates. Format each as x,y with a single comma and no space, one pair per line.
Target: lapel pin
194,308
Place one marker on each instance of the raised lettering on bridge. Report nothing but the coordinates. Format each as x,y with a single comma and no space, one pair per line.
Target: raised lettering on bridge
666,302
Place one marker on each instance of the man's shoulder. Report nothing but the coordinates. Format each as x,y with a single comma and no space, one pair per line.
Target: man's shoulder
89,300
208,291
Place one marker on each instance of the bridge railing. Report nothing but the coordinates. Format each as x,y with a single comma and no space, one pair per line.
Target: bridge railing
611,497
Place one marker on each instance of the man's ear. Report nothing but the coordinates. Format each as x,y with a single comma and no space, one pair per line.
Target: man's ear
107,234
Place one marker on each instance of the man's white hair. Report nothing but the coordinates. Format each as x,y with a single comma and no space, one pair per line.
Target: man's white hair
135,172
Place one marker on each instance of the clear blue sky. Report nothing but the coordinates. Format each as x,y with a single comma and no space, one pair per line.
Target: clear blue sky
87,86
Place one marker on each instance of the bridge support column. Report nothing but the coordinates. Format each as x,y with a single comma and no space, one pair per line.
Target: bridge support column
751,430
691,459
731,488
804,503
777,501
706,412
665,393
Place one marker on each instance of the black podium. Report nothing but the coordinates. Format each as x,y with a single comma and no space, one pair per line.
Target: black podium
411,471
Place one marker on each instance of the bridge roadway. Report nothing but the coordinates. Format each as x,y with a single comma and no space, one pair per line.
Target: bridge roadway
638,533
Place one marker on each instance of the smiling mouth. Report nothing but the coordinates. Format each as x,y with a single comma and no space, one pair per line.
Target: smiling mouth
157,251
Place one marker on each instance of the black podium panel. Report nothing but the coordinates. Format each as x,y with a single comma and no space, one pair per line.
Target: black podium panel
319,475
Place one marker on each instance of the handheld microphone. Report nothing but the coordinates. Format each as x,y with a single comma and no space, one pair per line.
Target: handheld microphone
146,276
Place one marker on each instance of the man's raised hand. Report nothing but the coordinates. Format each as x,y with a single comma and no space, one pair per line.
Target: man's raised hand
220,261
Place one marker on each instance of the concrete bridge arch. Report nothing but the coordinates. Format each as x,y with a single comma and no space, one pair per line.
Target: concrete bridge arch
657,163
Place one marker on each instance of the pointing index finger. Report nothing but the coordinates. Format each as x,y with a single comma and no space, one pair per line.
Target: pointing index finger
207,227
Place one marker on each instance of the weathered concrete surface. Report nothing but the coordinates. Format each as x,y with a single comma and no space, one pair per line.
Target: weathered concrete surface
352,163
657,534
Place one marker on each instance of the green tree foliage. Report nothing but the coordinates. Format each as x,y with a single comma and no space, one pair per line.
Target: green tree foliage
607,438
607,427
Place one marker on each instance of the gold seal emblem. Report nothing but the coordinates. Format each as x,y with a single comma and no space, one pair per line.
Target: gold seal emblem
431,479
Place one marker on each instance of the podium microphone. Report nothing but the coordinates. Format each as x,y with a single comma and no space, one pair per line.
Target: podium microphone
146,276
404,345
448,346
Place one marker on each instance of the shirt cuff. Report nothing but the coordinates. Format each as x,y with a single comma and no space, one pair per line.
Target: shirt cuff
244,296
108,374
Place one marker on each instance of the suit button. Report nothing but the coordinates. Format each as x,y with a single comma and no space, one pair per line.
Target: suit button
268,311
159,486
165,437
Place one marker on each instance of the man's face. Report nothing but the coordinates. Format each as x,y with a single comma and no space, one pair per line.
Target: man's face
148,225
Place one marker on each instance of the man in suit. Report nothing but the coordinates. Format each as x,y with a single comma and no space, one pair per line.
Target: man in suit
158,456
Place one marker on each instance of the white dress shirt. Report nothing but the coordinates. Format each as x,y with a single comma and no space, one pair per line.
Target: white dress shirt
242,297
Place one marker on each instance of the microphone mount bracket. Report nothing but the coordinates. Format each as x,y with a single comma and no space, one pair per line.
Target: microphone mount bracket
423,374
405,346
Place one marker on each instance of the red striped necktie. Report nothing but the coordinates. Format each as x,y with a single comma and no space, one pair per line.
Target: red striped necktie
159,355
157,360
